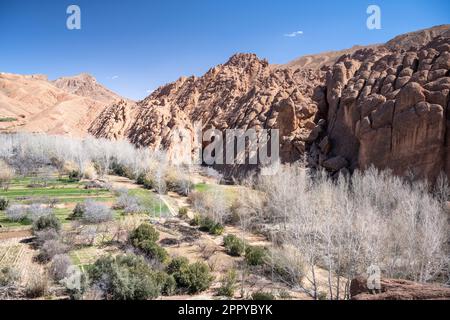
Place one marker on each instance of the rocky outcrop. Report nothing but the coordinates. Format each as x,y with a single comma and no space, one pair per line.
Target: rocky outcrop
382,105
387,107
394,289
85,85
243,93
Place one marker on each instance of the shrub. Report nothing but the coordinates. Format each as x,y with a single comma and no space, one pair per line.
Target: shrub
262,295
59,266
217,229
90,172
234,245
122,170
128,203
146,180
177,264
4,202
76,292
194,277
8,276
153,251
51,248
6,175
47,234
95,212
46,222
16,212
183,212
37,285
74,175
286,264
179,185
255,256
196,220
228,284
36,211
140,178
167,283
78,211
145,232
209,225
125,277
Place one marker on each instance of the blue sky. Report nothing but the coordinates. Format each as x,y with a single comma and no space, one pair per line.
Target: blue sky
135,46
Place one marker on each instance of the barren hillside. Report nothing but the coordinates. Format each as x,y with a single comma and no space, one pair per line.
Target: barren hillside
66,106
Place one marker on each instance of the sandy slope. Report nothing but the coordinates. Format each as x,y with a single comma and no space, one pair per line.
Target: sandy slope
66,106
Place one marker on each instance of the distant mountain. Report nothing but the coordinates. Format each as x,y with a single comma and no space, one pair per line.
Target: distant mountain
66,106
85,85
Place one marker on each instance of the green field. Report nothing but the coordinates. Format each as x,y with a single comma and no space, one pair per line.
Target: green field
65,194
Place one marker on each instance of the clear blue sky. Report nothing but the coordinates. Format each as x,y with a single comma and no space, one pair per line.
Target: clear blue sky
135,46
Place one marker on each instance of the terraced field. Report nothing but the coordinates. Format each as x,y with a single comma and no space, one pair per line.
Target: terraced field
63,194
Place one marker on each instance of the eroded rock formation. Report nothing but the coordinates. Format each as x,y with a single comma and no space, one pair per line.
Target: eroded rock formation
387,107
243,93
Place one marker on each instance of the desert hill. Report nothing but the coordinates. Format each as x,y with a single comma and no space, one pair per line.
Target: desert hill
66,106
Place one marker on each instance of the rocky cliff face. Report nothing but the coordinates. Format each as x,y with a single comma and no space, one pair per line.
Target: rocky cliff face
383,105
387,107
243,93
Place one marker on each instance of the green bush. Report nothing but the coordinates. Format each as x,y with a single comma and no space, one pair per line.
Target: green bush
144,238
207,224
234,245
183,212
262,295
78,211
196,220
122,170
140,180
217,229
145,232
125,277
4,203
153,251
194,277
74,175
47,222
228,284
255,256
145,180
177,264
167,283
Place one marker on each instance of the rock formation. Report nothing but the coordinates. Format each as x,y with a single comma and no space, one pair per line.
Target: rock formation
387,107
85,85
396,289
243,93
383,105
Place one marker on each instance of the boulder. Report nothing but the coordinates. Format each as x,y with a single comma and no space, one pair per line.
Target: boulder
335,163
